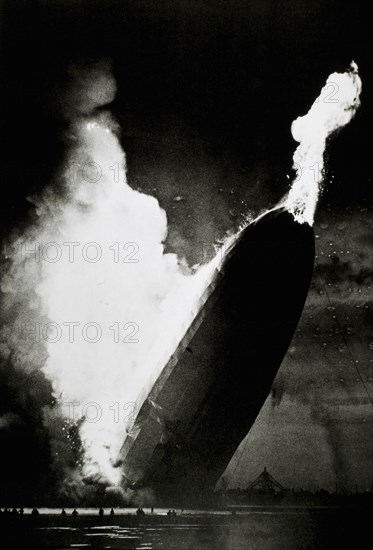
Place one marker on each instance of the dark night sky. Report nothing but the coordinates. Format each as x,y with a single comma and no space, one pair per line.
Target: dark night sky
206,94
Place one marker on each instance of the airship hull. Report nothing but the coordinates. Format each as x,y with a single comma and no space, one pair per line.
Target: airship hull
211,391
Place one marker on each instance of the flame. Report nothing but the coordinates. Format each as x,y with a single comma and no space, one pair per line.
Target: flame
99,264
334,108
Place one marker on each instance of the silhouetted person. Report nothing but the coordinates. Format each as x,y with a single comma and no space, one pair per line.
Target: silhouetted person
75,513
174,513
14,512
152,510
21,512
101,512
112,512
63,513
35,513
169,513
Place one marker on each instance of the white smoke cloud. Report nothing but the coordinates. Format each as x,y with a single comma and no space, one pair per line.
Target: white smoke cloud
99,306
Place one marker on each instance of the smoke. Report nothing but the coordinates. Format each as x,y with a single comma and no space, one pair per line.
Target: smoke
333,109
324,415
87,87
8,420
122,496
90,298
339,271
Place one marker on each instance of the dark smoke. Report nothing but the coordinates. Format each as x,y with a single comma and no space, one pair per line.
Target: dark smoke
338,271
41,451
326,417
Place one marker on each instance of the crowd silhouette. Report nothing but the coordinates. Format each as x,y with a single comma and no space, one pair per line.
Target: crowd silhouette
8,514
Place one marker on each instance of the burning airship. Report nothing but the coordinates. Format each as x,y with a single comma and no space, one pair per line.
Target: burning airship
209,393
222,333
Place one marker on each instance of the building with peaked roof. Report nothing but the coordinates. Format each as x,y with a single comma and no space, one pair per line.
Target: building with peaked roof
266,484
